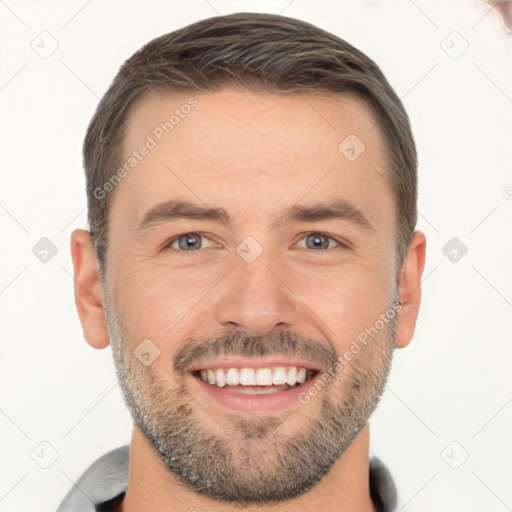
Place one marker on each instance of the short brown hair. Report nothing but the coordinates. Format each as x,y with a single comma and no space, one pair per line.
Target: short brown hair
253,52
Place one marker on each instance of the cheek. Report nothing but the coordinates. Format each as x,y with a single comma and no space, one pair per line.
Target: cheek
347,301
156,300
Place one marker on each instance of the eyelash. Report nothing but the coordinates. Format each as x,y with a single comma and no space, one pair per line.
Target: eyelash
341,245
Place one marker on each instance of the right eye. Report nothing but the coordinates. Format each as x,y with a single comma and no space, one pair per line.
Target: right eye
186,242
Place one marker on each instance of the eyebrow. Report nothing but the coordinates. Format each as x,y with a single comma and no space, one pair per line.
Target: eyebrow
174,209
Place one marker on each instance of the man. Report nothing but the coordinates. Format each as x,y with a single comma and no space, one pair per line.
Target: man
252,259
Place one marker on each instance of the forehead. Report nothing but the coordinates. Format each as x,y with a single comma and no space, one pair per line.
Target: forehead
251,153
250,117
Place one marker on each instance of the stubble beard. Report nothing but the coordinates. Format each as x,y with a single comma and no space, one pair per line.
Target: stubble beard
252,460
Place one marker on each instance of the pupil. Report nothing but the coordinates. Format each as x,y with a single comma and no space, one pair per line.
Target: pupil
189,239
317,239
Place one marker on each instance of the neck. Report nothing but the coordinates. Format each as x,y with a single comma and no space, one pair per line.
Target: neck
151,486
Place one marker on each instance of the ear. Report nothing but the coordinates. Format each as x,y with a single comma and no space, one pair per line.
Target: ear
88,290
409,286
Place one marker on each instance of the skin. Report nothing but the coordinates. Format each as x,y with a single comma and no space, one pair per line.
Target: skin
287,154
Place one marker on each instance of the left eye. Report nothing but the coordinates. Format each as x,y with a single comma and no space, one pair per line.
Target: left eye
191,242
320,241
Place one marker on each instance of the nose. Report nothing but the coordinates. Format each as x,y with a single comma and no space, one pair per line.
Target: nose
256,297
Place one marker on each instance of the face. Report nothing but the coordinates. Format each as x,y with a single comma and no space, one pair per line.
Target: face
245,240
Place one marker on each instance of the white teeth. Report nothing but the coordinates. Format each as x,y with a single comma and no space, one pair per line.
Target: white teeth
291,377
232,377
220,378
264,377
247,377
276,376
279,376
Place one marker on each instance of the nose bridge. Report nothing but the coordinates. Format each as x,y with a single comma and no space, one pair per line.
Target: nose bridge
256,298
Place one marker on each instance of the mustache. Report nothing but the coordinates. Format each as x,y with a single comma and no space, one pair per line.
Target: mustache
241,344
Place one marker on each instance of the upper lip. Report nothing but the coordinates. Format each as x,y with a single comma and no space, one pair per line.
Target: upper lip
253,362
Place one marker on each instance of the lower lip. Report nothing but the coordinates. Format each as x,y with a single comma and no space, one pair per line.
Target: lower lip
255,402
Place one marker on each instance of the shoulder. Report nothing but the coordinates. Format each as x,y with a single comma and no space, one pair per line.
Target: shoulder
105,479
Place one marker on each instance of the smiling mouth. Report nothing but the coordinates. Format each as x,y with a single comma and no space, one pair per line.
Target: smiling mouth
256,380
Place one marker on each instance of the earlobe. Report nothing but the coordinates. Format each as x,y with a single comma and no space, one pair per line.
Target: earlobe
409,287
88,290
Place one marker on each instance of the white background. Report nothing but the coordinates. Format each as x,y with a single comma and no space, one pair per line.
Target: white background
453,383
